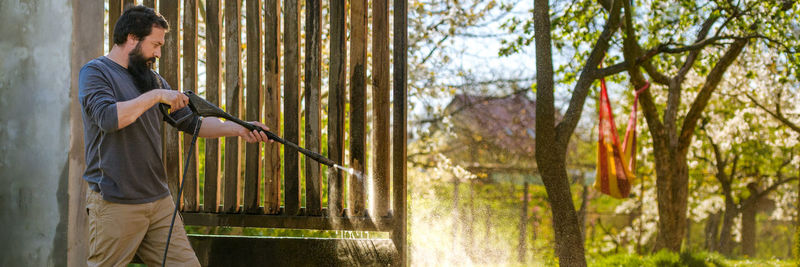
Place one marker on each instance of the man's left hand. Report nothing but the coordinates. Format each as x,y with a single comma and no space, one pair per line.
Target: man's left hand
255,135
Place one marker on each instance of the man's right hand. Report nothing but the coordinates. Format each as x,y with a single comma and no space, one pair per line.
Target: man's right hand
175,99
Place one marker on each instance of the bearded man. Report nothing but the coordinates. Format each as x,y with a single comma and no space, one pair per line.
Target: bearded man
129,203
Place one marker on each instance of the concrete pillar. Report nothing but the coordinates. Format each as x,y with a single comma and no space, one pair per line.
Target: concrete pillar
42,209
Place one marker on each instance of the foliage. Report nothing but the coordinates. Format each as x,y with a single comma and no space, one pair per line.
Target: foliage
689,259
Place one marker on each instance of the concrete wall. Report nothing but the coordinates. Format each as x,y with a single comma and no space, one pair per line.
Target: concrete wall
40,148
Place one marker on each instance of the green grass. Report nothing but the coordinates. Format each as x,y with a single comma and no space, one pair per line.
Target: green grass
684,259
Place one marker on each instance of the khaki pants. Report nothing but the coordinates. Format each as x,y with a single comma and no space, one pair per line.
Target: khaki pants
118,231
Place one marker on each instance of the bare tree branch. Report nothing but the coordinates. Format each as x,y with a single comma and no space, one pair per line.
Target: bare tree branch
777,116
701,100
632,49
693,55
773,187
566,127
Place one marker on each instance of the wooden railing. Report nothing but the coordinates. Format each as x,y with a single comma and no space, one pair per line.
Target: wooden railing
254,196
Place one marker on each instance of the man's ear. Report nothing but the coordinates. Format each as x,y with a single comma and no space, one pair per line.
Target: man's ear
132,39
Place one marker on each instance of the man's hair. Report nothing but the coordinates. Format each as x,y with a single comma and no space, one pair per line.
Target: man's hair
139,21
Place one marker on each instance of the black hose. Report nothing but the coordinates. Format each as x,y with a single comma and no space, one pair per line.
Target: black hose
180,189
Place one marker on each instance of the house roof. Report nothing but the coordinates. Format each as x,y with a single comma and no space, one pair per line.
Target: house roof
508,123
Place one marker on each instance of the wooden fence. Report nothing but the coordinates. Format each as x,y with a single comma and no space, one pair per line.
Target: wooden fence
255,185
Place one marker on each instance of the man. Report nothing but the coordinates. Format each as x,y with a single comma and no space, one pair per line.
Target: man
129,203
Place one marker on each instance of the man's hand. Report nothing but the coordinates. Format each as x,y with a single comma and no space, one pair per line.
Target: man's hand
254,135
174,98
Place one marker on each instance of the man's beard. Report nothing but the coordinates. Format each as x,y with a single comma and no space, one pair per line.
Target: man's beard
141,69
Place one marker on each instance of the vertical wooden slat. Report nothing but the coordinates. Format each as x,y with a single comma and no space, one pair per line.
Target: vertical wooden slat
399,134
191,189
336,103
380,104
233,92
272,103
87,44
252,171
169,68
291,104
114,11
313,81
149,3
358,112
127,3
213,86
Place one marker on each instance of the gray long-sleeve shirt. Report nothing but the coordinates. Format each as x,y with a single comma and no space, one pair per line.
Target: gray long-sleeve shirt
124,165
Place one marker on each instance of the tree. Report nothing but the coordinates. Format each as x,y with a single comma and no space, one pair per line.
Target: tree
553,138
726,25
775,93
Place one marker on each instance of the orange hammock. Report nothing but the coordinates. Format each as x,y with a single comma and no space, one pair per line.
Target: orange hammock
615,163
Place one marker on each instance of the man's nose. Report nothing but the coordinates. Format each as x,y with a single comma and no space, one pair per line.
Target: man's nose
157,53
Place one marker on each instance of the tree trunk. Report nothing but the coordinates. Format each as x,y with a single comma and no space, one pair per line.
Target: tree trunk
688,233
456,213
796,249
712,226
470,226
523,226
672,183
488,224
725,244
569,245
583,210
749,210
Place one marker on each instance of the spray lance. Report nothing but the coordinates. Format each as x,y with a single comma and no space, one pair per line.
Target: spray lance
203,108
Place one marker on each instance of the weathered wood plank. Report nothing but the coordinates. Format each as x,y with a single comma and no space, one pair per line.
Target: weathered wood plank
87,44
272,103
191,190
150,3
252,170
114,11
215,250
399,134
358,112
233,93
291,104
127,3
313,81
169,68
363,223
380,105
336,104
213,91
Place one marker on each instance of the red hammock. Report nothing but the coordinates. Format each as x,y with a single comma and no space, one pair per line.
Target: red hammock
615,163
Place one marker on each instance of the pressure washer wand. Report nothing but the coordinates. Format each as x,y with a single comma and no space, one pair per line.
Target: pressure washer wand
204,108
311,154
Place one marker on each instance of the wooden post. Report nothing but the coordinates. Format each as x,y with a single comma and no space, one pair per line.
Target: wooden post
291,105
358,112
336,104
170,68
191,189
522,247
252,171
213,92
150,3
399,134
380,104
114,11
313,81
272,100
87,15
233,93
